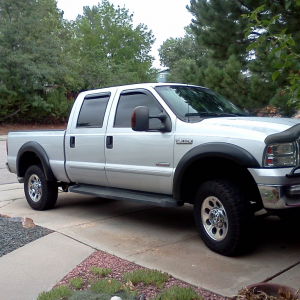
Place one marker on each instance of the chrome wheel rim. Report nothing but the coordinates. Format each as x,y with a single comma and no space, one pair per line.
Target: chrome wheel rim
214,218
35,188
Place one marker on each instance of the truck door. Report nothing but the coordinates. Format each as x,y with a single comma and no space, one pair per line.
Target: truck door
138,160
85,140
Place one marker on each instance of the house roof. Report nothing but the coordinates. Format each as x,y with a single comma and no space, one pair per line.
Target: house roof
163,70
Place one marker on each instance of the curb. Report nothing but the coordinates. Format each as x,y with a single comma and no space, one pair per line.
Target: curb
3,137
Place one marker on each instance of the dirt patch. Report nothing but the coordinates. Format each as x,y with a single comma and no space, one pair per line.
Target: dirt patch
5,128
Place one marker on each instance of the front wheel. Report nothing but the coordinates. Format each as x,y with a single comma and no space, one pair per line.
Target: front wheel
40,193
223,216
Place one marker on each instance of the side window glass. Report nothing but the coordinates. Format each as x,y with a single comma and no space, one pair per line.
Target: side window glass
92,112
128,102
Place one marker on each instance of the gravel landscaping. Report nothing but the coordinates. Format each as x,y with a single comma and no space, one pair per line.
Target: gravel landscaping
13,235
120,266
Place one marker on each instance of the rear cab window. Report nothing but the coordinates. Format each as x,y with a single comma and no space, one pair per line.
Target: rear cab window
92,110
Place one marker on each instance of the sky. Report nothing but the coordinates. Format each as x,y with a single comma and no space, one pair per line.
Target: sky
166,18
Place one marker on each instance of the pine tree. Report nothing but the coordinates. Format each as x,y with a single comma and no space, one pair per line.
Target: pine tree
244,77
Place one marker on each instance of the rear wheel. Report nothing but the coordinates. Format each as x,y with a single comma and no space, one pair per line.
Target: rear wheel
40,193
223,216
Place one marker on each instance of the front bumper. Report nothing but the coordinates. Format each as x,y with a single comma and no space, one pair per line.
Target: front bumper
277,191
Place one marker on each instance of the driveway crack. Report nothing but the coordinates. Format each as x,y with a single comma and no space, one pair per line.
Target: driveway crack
281,272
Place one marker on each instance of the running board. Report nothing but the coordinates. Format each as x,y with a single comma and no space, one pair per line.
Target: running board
127,195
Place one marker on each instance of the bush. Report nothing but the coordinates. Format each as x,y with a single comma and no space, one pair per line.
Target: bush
57,293
76,282
178,293
52,107
100,271
147,277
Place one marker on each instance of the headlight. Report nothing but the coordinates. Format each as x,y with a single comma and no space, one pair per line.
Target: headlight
281,155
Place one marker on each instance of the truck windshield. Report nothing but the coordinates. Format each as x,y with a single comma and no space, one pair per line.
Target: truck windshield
192,104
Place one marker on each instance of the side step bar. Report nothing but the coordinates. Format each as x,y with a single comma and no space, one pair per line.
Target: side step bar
127,195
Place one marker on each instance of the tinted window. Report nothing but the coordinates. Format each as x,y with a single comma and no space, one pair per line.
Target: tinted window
92,112
128,102
192,104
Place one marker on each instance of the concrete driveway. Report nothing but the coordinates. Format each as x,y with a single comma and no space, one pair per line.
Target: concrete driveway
164,239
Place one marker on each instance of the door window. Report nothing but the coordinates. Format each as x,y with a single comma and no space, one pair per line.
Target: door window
129,101
92,111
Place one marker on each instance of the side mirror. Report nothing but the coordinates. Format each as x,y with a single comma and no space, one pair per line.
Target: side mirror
166,125
140,119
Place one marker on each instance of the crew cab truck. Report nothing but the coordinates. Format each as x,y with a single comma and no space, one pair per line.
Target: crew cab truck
167,145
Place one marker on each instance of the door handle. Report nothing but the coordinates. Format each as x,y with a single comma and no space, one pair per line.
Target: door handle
109,142
72,141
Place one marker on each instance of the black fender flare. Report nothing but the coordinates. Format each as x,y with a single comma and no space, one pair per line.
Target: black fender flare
209,150
40,152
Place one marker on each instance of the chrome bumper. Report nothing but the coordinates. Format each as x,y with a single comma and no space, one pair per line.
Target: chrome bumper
277,190
280,197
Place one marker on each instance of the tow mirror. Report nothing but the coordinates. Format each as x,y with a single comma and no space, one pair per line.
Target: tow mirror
140,119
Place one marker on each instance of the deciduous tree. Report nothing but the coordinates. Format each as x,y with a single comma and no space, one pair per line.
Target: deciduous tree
109,49
31,53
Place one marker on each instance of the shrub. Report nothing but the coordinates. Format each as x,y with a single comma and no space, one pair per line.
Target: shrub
147,277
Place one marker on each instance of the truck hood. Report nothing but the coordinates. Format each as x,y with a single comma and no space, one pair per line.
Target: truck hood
265,126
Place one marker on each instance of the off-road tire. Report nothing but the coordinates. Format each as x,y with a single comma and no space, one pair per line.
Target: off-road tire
227,199
40,193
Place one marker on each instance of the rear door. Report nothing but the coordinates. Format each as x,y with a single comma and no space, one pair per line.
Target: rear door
85,140
138,160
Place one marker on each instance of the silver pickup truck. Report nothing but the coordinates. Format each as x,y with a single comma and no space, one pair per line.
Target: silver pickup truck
167,145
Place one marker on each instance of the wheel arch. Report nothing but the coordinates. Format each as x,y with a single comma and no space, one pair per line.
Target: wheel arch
32,153
209,161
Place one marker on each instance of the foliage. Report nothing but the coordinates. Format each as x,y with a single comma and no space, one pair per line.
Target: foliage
147,277
90,295
278,39
100,271
178,293
222,58
59,292
180,55
172,50
108,49
110,286
51,107
40,51
31,53
76,282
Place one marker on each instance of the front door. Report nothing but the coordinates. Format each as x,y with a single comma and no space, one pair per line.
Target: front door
138,160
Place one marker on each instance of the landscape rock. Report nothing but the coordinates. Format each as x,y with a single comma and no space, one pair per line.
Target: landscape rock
28,223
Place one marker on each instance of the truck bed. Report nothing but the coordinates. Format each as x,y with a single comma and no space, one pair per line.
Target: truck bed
51,140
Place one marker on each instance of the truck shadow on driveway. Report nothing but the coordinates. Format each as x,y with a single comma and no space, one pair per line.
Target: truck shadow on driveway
268,233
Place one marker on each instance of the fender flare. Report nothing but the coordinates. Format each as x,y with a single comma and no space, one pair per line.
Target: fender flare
40,152
209,150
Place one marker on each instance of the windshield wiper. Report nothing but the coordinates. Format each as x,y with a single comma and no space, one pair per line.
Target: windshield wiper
214,114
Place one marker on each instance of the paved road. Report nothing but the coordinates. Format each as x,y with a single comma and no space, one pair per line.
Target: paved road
164,238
